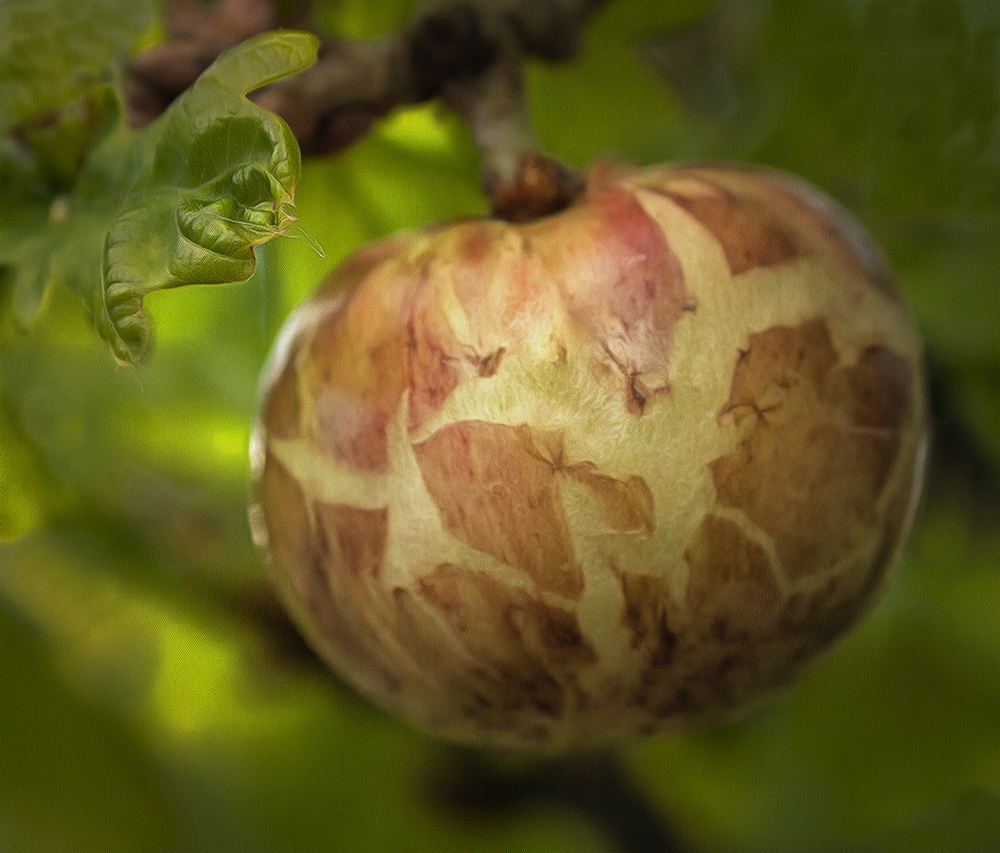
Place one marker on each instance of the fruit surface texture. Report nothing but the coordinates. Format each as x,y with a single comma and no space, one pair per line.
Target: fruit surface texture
624,469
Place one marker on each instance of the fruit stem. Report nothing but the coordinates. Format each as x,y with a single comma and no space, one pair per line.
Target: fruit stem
522,183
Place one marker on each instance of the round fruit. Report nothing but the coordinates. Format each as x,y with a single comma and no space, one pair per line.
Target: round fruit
623,469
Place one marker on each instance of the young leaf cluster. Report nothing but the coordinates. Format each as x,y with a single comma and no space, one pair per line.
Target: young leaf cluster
128,212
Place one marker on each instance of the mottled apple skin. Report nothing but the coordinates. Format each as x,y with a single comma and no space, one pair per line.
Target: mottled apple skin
625,469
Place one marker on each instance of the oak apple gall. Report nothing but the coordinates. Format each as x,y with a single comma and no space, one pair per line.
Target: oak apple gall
624,469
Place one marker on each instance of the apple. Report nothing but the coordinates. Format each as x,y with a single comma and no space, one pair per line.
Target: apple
624,469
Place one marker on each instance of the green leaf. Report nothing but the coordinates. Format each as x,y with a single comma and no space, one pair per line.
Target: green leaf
183,201
53,51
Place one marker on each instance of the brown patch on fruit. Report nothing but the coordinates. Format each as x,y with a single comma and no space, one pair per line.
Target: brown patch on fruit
356,537
354,372
481,269
750,233
390,334
795,219
289,536
492,283
683,671
818,617
429,645
704,659
783,365
433,369
386,634
878,392
624,286
527,649
819,441
311,558
646,616
353,364
496,493
489,363
497,488
350,543
635,400
626,506
824,614
283,407
732,584
838,233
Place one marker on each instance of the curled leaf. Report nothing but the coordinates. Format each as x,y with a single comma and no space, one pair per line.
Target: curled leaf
183,201
214,177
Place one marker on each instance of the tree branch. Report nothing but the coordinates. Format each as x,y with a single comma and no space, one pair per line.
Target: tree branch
596,786
469,54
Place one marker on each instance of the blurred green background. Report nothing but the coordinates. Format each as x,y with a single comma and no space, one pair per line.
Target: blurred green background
152,698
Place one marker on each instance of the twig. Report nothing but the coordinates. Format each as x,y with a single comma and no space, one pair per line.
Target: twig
197,35
469,54
597,787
